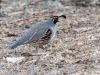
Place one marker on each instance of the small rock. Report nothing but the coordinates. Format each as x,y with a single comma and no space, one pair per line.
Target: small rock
27,27
15,59
83,29
92,38
9,35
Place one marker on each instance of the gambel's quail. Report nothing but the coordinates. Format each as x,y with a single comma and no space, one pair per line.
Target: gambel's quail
39,34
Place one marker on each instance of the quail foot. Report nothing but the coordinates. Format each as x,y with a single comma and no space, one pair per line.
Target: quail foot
39,34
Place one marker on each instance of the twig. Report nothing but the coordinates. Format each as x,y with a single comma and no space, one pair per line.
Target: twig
4,23
36,60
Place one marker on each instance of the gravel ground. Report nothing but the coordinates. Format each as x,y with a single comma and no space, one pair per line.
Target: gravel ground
74,51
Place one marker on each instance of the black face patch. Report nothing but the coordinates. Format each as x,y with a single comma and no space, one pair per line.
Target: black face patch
46,36
55,20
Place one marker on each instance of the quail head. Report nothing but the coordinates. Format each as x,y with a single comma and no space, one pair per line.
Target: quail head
39,34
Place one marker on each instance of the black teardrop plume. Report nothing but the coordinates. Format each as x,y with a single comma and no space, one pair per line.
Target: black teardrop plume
63,16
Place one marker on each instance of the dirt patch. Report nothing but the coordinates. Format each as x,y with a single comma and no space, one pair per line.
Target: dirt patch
74,51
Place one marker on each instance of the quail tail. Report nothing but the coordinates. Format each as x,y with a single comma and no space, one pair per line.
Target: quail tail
17,43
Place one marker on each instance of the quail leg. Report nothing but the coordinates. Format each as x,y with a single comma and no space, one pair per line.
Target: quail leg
37,50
